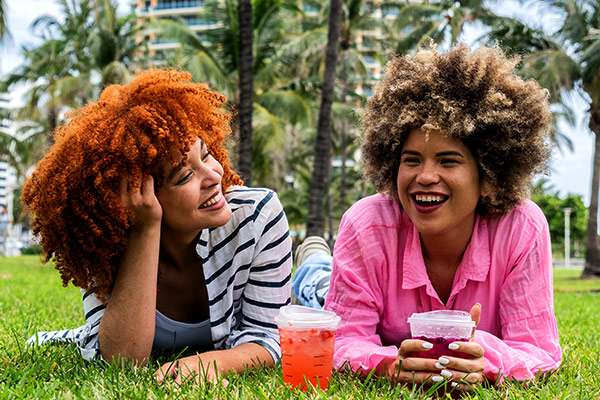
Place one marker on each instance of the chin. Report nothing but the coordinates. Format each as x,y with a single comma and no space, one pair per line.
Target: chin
221,219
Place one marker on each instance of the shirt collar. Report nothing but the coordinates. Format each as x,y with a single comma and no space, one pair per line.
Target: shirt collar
202,244
475,264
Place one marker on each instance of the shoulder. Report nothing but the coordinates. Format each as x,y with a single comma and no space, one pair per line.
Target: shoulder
519,231
526,216
378,210
251,200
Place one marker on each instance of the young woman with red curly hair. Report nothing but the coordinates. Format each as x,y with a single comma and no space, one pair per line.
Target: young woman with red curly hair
137,204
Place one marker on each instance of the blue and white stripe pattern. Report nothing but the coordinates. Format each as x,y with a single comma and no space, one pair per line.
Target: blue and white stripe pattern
247,265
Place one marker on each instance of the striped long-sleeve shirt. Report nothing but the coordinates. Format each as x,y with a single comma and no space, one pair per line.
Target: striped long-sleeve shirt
247,266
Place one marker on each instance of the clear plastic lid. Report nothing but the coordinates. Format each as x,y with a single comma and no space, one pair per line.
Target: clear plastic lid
301,317
443,317
441,324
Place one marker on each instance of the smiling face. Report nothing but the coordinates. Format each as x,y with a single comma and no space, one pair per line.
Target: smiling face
191,197
438,183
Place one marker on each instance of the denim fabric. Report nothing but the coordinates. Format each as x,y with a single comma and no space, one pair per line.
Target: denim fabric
311,280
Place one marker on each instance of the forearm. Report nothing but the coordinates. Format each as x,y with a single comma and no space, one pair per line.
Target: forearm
237,359
518,360
128,324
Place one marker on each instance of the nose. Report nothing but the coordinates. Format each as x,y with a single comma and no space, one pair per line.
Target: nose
211,175
428,175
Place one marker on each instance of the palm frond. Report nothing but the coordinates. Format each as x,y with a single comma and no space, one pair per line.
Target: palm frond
204,68
288,105
554,69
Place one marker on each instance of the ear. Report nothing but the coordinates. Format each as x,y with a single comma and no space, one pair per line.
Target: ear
485,189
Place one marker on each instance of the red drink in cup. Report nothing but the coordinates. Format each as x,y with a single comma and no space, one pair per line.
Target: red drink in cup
307,340
440,328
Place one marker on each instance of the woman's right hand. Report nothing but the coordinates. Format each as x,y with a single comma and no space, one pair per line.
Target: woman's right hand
142,203
407,369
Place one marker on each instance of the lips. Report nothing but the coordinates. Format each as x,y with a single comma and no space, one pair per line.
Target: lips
427,203
214,199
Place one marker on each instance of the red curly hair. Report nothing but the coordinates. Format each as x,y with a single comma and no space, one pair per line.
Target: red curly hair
132,131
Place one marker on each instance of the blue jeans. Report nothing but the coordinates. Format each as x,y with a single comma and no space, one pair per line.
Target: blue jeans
311,281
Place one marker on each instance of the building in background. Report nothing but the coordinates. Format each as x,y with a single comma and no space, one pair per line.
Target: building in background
188,11
8,184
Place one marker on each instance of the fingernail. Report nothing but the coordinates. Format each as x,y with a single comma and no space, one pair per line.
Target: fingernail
437,378
443,360
446,373
427,345
453,346
439,366
454,384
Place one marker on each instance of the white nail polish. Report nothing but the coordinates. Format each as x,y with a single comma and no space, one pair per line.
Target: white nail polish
454,384
427,345
437,378
443,360
453,346
446,373
438,365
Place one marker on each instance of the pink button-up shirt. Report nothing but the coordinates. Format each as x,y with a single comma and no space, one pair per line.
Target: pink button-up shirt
379,279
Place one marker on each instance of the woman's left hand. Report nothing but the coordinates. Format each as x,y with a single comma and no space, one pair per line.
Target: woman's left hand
205,367
465,372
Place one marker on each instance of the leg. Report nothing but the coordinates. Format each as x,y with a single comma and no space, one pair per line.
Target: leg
311,279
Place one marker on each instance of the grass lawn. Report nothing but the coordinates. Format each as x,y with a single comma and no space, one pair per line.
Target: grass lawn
32,299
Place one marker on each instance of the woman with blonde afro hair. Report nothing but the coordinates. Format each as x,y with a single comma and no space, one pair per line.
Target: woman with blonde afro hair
137,204
451,141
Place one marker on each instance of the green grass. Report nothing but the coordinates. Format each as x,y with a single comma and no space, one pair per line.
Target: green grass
32,299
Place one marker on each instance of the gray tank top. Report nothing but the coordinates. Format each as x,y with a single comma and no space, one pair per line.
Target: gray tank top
172,336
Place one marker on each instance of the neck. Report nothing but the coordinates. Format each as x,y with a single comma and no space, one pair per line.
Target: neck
447,248
178,248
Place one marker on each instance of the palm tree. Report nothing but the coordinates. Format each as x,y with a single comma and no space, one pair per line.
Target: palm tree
322,160
213,56
417,23
3,22
246,74
115,49
568,59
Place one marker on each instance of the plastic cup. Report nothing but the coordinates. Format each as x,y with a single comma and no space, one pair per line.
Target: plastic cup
307,338
441,328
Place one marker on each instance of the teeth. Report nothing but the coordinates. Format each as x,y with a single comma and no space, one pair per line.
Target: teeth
429,198
213,200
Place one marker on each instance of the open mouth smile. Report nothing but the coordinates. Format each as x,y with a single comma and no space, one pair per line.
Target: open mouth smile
216,198
427,203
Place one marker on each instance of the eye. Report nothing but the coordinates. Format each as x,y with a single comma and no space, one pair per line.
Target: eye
448,161
411,161
205,156
184,178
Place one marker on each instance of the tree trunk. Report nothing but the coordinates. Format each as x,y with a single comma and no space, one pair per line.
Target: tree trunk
344,131
246,90
52,123
322,160
592,254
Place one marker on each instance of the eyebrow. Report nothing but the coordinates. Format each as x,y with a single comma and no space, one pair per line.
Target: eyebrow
178,168
450,153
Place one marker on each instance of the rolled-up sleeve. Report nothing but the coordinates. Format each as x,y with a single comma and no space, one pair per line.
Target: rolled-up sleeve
268,287
85,337
529,343
356,297
87,342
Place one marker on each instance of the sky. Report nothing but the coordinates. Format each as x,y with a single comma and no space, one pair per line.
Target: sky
570,171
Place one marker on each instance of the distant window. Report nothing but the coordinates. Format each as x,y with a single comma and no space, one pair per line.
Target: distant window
167,4
369,59
311,8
